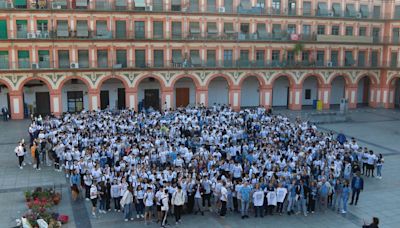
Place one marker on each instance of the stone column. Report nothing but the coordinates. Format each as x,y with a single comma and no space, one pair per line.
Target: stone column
131,99
295,97
351,95
94,99
266,96
16,105
166,98
234,98
324,94
55,102
202,96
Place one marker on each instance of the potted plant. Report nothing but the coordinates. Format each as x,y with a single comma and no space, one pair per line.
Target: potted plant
56,198
28,196
298,48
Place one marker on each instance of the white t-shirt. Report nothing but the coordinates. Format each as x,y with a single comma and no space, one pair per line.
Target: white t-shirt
224,194
149,198
281,194
258,198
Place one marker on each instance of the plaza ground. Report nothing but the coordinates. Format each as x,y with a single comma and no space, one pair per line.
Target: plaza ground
378,129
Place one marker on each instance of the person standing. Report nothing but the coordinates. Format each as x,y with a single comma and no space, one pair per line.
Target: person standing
245,199
357,185
379,164
74,181
19,152
198,192
178,199
312,197
93,197
324,191
224,199
164,208
292,198
116,194
258,201
302,192
371,159
4,112
126,203
345,196
148,203
35,156
280,198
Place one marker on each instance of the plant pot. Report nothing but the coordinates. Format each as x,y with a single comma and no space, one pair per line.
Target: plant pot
56,200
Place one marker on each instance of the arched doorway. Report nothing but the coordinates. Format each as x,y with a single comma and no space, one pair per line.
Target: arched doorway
363,91
184,92
280,92
74,96
36,98
112,94
149,94
250,92
397,93
338,89
4,99
310,92
218,92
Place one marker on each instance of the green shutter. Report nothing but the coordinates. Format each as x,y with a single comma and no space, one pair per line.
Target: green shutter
3,30
42,21
23,54
3,53
22,22
43,52
20,2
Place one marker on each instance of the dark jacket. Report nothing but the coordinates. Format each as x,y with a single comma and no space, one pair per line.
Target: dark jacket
353,183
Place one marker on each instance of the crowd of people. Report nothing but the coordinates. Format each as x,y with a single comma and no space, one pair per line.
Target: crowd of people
201,160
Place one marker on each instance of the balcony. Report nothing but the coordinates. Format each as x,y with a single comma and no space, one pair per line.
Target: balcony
282,36
190,63
122,5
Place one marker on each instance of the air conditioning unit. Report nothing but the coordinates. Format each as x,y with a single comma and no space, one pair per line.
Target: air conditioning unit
74,65
31,35
330,64
359,15
331,14
35,66
149,8
221,10
55,5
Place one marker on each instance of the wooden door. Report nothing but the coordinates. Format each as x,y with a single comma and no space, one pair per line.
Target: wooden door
121,98
42,103
104,99
151,99
181,97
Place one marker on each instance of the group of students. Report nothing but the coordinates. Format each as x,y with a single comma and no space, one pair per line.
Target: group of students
195,160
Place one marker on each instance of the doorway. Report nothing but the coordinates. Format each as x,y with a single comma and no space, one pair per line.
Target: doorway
182,97
151,99
104,99
42,103
121,98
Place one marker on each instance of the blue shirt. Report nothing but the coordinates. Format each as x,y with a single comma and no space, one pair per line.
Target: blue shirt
245,191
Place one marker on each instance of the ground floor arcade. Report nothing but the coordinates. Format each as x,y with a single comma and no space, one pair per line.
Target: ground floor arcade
44,93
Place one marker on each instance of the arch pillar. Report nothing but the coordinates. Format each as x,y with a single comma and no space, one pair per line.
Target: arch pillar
167,94
94,99
16,105
295,92
131,99
372,101
234,97
324,93
266,96
388,92
350,94
55,102
202,96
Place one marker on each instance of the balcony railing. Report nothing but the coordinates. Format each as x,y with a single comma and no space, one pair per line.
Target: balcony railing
282,36
184,64
122,5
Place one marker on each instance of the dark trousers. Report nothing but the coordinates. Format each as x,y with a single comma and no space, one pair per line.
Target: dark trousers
190,203
279,207
259,211
117,205
20,160
356,193
178,212
37,162
270,209
311,204
207,197
223,208
235,204
87,191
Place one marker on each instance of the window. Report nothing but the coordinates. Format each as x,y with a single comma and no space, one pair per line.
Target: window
377,12
139,30
4,60
292,7
260,57
211,60
228,4
321,30
393,59
177,58
348,58
276,6
42,25
364,11
140,60
102,58
275,57
349,30
195,58
158,5
290,57
121,59
228,29
20,4
83,58
374,58
335,30
361,58
194,29
306,29
376,34
244,58
336,9
397,12
228,58
75,101
176,30
158,30
194,6
291,29
63,59
120,29
261,31
22,28
350,11
176,5
307,94
334,58
276,31
320,58
305,57
322,9
306,8
212,30
362,31
44,59
395,36
3,30
211,5
102,30
23,59
82,29
140,5
158,56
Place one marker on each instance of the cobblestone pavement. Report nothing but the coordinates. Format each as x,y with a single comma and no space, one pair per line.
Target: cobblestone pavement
377,129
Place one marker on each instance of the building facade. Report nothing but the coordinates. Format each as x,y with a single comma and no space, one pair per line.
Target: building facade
67,55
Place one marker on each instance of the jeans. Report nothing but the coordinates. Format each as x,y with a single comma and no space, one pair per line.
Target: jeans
379,170
245,207
102,206
177,212
117,205
301,205
198,205
336,199
128,211
259,211
207,197
356,193
291,203
345,199
223,208
323,202
140,207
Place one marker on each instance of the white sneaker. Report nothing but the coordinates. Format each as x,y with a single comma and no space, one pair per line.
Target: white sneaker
126,220
87,199
94,214
142,216
132,219
21,167
137,216
39,169
344,212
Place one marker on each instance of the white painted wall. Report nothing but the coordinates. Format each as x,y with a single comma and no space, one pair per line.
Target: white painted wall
186,83
146,84
338,89
250,93
279,92
74,87
112,87
3,97
312,84
218,92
